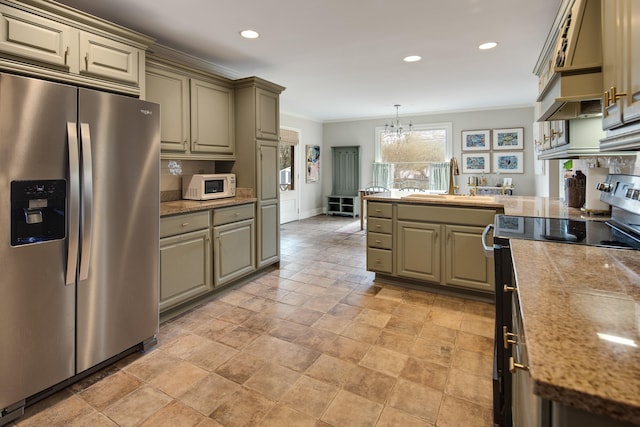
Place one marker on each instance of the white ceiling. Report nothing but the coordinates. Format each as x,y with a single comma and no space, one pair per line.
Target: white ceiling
342,59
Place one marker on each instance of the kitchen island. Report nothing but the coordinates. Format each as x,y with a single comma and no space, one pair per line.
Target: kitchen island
579,307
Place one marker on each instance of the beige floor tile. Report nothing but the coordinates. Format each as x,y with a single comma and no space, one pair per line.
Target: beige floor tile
293,298
391,293
426,373
449,318
435,333
473,342
174,414
284,353
373,318
332,323
478,325
357,299
261,322
449,302
317,339
151,365
344,311
238,337
288,331
61,414
208,422
272,381
383,305
477,389
396,342
413,312
137,406
370,384
416,399
212,329
392,417
348,409
433,351
240,367
348,349
244,408
178,378
480,308
281,415
384,360
215,308
419,298
361,332
331,370
236,315
304,316
480,364
209,393
110,390
404,326
310,396
459,412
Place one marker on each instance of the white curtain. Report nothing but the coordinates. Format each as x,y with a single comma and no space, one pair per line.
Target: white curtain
383,175
439,176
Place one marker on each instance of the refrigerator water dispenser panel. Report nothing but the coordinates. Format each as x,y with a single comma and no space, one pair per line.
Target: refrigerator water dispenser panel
37,211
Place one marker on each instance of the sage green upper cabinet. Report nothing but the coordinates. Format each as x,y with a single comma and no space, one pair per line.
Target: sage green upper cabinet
621,74
267,114
49,40
196,111
256,165
171,91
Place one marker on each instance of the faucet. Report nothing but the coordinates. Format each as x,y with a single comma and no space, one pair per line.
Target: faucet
453,170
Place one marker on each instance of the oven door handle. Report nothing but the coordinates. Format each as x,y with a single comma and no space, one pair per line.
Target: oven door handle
488,250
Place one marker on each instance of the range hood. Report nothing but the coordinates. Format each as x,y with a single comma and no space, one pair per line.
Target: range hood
570,65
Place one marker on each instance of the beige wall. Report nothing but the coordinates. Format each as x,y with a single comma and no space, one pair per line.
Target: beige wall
362,133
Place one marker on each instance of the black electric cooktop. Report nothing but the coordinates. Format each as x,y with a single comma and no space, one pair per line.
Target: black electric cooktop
581,232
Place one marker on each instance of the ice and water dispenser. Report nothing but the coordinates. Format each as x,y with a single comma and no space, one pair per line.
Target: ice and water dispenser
37,211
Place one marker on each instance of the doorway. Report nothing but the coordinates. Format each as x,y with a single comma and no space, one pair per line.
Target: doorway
289,174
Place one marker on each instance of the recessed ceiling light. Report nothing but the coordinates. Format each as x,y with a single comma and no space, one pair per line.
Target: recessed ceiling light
487,45
412,58
249,34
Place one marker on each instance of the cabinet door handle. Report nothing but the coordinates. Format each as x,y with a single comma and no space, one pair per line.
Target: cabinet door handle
513,366
506,337
66,55
184,224
378,241
86,61
506,288
607,100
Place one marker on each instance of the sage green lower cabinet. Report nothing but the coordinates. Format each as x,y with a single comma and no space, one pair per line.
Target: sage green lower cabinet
465,262
418,254
436,244
234,243
185,258
268,234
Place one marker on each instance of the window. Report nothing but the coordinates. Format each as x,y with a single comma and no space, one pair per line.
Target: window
287,155
407,162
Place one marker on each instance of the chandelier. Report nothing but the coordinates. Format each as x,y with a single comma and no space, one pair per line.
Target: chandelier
395,130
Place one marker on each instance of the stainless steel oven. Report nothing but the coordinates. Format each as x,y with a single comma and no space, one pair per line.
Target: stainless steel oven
622,231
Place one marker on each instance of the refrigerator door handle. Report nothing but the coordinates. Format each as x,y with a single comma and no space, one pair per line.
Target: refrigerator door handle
87,200
74,203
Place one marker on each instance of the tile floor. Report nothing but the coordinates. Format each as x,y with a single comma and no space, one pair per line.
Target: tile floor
316,343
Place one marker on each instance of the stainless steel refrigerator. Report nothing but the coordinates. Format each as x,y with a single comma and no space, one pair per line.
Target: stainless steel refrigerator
79,232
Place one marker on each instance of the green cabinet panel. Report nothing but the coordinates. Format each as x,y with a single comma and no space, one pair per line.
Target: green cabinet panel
418,250
465,262
268,234
234,251
185,267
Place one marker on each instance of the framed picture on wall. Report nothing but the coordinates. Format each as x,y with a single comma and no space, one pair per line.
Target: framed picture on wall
476,140
508,139
476,163
313,163
512,162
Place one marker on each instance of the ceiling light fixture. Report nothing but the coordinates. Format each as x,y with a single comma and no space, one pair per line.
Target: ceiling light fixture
249,34
395,131
487,45
412,58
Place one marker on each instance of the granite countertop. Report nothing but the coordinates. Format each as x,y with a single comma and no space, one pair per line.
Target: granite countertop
568,295
512,205
185,206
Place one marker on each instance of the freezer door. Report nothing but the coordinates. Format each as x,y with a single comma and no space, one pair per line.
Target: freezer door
119,244
36,306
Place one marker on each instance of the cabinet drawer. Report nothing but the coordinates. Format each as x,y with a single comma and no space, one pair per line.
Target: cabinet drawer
233,214
381,210
466,216
379,260
379,225
178,224
378,240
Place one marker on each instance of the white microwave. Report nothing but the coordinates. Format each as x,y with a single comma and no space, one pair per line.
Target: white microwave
208,186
